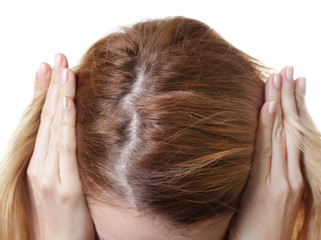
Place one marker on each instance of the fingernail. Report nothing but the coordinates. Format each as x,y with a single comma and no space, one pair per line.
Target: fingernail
58,61
271,107
302,84
42,70
64,103
277,81
65,76
289,74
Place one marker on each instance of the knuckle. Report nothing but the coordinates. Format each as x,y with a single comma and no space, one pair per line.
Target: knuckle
283,190
65,149
55,128
67,195
298,185
46,185
46,114
55,80
66,124
32,174
289,92
279,132
37,86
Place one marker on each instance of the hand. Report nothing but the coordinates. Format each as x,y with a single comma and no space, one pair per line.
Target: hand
58,206
275,186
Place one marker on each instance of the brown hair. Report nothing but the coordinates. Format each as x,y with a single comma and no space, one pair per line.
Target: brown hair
167,112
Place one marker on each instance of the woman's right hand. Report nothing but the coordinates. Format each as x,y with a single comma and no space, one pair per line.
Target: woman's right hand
271,198
58,206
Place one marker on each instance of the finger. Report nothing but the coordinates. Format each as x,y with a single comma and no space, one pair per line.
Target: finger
273,93
68,87
300,91
68,165
300,86
273,88
290,111
51,163
278,164
48,112
263,142
42,80
52,160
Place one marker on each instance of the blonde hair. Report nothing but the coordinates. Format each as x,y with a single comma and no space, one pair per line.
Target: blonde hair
172,108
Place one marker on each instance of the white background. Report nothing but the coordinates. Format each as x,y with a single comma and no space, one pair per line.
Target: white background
279,33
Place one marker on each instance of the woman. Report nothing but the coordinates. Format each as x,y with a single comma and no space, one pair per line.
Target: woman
176,135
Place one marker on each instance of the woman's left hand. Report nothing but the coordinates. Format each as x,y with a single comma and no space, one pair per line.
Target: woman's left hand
272,195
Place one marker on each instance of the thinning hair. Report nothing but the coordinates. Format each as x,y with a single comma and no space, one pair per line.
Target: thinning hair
167,112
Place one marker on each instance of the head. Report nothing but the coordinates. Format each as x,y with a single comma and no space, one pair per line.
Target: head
166,120
122,223
166,123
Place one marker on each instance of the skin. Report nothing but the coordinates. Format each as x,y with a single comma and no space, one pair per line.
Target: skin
58,206
275,185
59,210
141,227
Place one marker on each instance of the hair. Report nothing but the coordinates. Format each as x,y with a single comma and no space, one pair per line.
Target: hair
167,112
